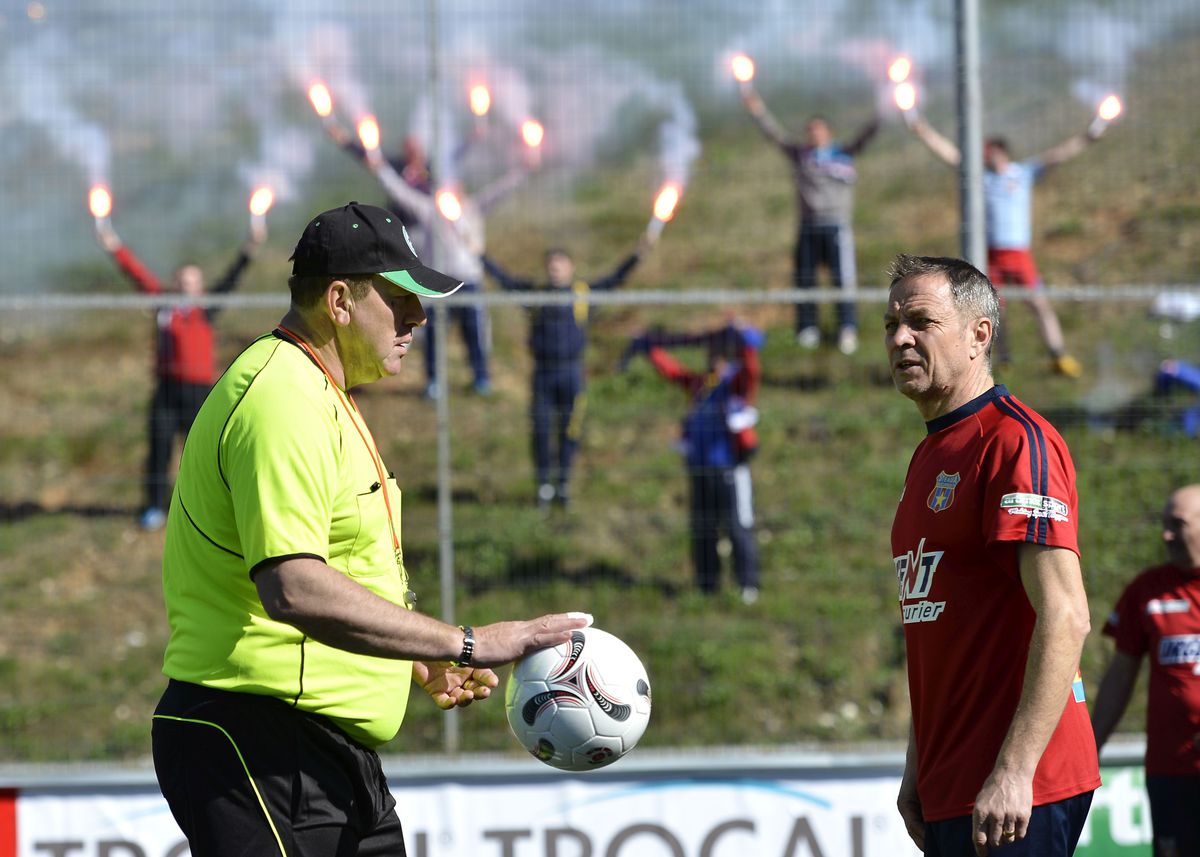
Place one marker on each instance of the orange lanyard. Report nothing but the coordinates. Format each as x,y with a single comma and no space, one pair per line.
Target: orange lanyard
363,432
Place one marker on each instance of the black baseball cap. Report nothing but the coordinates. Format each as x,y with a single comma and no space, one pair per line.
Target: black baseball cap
366,239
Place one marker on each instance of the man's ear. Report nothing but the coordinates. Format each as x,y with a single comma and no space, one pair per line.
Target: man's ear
981,336
339,302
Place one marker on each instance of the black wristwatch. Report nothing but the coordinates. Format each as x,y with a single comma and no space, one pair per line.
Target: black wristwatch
468,649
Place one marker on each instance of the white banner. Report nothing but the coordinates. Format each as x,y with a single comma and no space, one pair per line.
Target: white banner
660,813
567,817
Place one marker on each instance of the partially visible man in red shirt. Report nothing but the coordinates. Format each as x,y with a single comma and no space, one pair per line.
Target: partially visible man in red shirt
185,356
1159,614
1001,756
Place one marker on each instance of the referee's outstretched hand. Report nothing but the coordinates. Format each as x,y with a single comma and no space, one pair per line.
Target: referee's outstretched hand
454,687
504,642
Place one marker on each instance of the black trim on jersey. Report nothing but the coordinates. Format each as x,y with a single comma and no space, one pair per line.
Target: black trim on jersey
206,536
291,340
300,678
284,557
963,411
1038,529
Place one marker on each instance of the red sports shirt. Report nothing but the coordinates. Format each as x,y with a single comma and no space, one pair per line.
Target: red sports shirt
1159,614
988,476
184,350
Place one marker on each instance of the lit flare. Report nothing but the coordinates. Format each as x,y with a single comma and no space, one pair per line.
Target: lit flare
743,68
664,209
321,100
665,202
1110,108
532,133
368,132
906,96
900,69
261,201
481,100
100,201
449,205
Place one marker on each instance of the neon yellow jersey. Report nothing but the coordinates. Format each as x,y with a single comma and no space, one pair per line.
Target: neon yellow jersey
272,468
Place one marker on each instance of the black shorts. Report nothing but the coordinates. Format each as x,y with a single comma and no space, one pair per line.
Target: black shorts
1054,830
1174,814
250,775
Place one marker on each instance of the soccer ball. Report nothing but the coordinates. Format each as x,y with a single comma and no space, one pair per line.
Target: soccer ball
580,705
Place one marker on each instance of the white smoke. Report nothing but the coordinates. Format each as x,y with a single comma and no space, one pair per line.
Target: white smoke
33,72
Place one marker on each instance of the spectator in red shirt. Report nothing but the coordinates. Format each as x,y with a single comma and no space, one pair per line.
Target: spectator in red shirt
1159,615
185,358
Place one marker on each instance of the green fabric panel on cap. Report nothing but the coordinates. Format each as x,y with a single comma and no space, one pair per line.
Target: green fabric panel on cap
404,280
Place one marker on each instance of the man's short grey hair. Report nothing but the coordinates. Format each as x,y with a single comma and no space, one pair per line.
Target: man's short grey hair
973,293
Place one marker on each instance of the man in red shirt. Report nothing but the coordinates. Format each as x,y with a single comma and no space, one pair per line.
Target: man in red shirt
1159,614
1001,755
185,357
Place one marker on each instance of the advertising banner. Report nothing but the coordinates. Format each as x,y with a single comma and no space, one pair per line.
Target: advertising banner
647,814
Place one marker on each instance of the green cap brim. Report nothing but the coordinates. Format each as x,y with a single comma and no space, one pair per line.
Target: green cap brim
431,283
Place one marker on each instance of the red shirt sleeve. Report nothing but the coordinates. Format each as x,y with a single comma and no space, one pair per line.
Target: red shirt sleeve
133,268
672,369
1124,623
745,383
1030,487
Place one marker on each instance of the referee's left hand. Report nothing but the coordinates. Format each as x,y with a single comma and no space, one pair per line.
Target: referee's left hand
454,687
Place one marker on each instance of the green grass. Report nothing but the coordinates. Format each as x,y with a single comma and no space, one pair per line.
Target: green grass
820,656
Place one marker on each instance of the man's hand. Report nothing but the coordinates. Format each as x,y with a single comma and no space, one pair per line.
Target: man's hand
909,805
454,687
107,235
503,642
751,99
1002,810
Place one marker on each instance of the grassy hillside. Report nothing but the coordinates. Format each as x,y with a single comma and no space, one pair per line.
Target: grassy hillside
819,657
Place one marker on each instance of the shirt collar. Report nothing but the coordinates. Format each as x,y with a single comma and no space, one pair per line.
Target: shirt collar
962,411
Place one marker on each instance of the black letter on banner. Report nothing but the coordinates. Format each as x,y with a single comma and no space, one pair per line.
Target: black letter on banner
710,841
553,834
58,849
802,834
507,839
179,850
422,845
632,831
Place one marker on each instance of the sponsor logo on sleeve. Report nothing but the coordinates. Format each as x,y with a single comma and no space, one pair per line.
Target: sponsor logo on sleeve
1180,649
1163,606
1036,506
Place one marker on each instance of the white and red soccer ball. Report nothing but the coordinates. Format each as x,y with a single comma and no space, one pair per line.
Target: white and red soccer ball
580,705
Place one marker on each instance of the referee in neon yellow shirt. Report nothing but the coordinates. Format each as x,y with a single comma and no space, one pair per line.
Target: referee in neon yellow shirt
293,638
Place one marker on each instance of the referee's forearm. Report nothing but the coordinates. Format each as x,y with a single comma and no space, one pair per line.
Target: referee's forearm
334,610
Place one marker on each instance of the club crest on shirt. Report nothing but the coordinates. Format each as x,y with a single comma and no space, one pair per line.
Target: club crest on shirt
942,494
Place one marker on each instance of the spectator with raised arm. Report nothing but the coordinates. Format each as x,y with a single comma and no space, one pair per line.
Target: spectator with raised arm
1008,213
407,170
558,336
718,439
185,355
824,174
